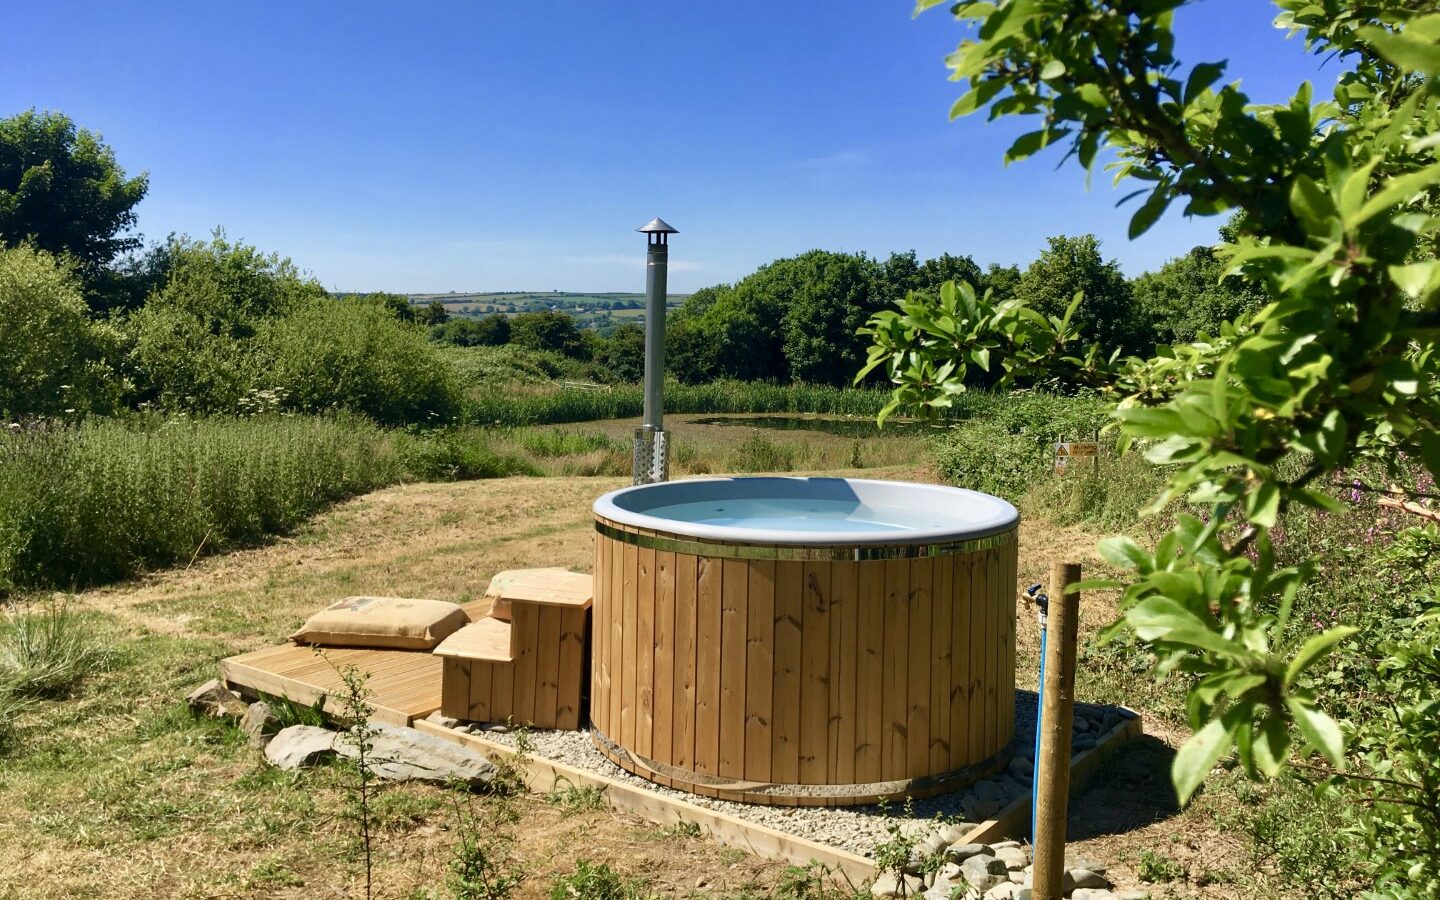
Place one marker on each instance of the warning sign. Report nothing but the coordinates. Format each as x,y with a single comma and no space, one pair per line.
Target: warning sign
1074,454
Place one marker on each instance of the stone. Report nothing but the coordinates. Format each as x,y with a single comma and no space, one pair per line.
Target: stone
933,844
1085,878
1004,845
1084,862
214,699
300,746
985,789
1003,891
985,868
496,727
1091,894
442,720
259,723
1083,742
958,853
952,832
404,754
1021,768
1014,858
1015,877
1132,894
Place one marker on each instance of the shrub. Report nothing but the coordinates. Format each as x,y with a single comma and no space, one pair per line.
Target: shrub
353,355
594,881
506,365
457,454
192,344
984,456
759,454
53,359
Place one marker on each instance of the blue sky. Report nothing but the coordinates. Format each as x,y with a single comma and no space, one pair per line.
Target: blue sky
495,146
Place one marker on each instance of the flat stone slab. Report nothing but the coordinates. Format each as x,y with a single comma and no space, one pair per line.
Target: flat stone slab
404,754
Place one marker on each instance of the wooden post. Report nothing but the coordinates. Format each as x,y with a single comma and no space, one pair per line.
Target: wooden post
1057,717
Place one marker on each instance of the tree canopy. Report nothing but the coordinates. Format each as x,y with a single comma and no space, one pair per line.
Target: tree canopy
62,190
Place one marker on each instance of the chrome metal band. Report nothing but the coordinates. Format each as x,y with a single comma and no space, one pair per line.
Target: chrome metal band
756,551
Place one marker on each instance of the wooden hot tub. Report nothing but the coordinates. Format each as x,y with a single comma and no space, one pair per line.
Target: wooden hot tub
804,640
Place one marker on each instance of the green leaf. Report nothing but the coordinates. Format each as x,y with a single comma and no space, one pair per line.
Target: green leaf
1262,504
1269,745
1123,553
1411,53
1201,77
1053,69
1198,755
1151,210
1319,730
1315,648
1397,190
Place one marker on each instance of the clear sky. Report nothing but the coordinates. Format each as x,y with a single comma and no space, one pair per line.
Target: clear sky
483,146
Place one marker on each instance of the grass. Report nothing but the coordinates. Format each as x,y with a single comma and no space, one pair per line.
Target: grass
519,405
45,651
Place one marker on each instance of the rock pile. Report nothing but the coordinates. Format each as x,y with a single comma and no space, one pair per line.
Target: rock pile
396,754
942,869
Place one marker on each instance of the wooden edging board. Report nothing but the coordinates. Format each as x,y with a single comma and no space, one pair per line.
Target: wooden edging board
542,776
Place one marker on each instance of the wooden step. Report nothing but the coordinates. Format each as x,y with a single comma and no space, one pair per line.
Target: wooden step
544,587
488,639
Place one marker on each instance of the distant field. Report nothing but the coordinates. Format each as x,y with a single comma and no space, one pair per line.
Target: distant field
600,311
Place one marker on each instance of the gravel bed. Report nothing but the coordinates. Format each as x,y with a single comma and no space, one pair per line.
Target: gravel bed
854,828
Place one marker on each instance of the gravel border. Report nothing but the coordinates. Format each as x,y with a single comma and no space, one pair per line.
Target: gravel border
856,829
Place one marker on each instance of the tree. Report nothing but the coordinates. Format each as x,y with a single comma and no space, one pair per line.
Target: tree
400,306
946,267
1191,295
433,314
191,345
53,359
1106,314
490,331
548,330
623,353
1336,203
62,190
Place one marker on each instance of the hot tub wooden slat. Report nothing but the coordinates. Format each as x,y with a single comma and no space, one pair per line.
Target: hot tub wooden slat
663,725
959,664
944,600
992,653
547,661
869,673
734,590
894,756
615,646
815,675
844,598
707,666
631,567
644,652
759,669
917,723
682,746
976,575
599,659
785,702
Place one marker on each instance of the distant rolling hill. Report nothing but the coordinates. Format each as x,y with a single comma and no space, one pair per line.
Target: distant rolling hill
601,311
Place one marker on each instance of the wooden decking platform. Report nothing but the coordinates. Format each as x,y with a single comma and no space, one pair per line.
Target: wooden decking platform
404,685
